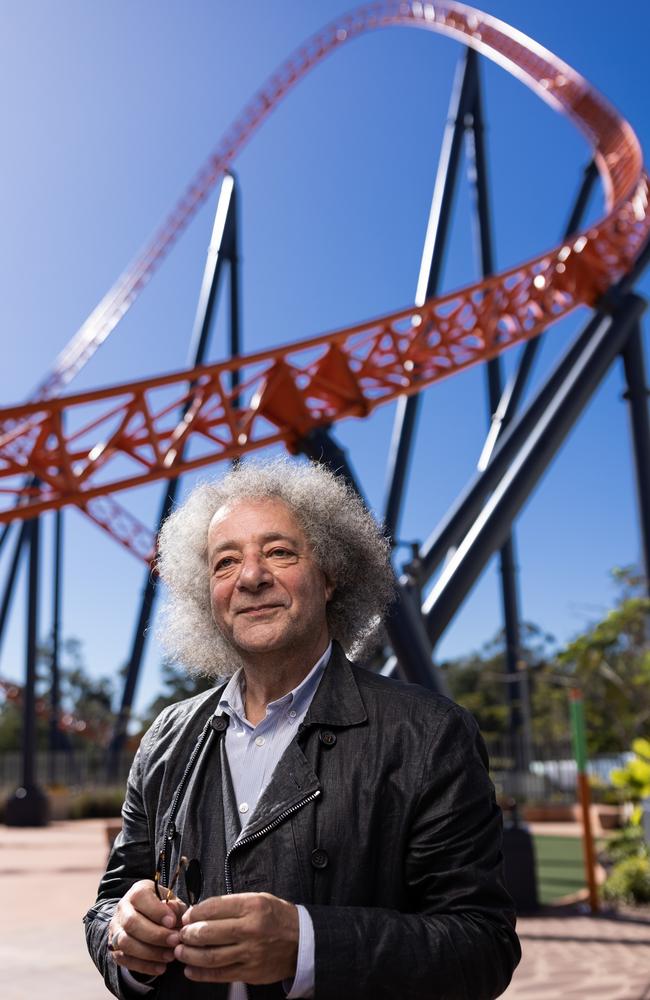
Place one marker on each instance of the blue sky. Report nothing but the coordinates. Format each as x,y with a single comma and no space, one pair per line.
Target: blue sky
110,109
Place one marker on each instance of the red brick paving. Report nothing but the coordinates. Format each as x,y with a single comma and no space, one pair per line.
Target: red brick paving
49,877
590,958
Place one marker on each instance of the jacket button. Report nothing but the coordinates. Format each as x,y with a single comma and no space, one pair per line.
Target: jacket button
327,737
319,858
219,723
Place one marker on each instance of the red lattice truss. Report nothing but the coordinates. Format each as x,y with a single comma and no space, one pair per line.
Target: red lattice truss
126,435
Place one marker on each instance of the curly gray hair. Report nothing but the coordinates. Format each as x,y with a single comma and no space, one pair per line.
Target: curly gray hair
347,544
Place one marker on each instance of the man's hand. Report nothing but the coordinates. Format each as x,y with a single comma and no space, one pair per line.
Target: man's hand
251,937
142,933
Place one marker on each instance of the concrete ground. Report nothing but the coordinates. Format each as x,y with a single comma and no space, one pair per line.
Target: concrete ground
49,877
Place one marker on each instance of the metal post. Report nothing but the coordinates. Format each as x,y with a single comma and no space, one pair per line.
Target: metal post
55,741
459,518
579,739
11,578
516,385
404,624
28,805
222,245
517,688
430,268
235,298
637,397
4,533
528,464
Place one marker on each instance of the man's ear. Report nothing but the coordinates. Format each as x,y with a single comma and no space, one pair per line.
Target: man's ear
330,587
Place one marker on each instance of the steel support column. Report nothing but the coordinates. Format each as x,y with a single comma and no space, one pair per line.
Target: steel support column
460,517
435,243
637,397
223,246
56,742
28,805
608,336
8,594
4,533
516,384
515,666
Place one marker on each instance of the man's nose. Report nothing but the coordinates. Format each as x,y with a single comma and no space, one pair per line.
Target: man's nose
254,573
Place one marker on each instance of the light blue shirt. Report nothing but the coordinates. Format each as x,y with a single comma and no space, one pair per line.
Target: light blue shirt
253,753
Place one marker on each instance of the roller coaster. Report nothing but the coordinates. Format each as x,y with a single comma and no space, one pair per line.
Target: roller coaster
81,450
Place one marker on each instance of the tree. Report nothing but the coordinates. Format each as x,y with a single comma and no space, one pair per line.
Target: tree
178,684
86,702
610,662
479,681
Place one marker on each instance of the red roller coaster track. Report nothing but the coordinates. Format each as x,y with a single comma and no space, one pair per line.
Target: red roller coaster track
126,435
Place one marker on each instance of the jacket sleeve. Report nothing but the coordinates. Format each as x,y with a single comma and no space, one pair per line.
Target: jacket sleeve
132,858
456,938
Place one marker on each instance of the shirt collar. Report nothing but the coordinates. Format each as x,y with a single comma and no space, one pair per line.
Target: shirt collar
232,697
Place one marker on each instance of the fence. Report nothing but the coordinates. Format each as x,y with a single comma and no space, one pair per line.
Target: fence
551,774
79,769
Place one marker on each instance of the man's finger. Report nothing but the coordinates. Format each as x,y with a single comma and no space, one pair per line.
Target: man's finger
143,898
139,965
123,944
229,974
204,933
220,907
141,927
211,958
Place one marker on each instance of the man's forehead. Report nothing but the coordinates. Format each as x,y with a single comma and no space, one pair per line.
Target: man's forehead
265,516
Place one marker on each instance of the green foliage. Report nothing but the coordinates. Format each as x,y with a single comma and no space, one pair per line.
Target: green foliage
86,700
629,881
627,843
610,661
634,778
178,685
479,681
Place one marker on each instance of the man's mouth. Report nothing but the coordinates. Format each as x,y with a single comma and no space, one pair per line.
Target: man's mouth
259,609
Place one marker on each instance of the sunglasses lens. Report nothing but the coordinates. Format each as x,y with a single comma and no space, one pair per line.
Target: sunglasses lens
193,881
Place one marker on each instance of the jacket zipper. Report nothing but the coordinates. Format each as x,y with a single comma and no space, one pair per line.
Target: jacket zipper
170,832
261,833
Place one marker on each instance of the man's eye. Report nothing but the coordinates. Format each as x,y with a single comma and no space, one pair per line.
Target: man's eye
280,553
225,563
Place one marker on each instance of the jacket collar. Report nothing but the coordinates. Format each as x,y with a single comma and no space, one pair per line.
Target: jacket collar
337,701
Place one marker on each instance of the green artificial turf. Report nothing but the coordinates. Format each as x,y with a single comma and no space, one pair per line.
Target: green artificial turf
560,867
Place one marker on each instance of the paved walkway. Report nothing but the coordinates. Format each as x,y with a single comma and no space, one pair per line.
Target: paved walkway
49,877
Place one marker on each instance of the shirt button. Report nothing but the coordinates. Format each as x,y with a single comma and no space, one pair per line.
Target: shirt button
259,741
243,807
292,713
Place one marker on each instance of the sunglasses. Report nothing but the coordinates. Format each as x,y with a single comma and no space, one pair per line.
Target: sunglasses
193,879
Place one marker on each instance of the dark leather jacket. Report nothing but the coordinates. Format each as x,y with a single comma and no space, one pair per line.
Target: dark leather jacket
380,818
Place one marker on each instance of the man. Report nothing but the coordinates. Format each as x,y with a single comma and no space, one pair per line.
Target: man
335,832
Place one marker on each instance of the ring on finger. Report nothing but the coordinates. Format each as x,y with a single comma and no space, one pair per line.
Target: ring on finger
113,941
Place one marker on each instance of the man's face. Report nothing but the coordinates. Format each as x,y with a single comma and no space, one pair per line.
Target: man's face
267,592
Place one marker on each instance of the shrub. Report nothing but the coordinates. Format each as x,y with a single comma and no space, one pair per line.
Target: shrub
102,803
634,778
628,843
629,881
